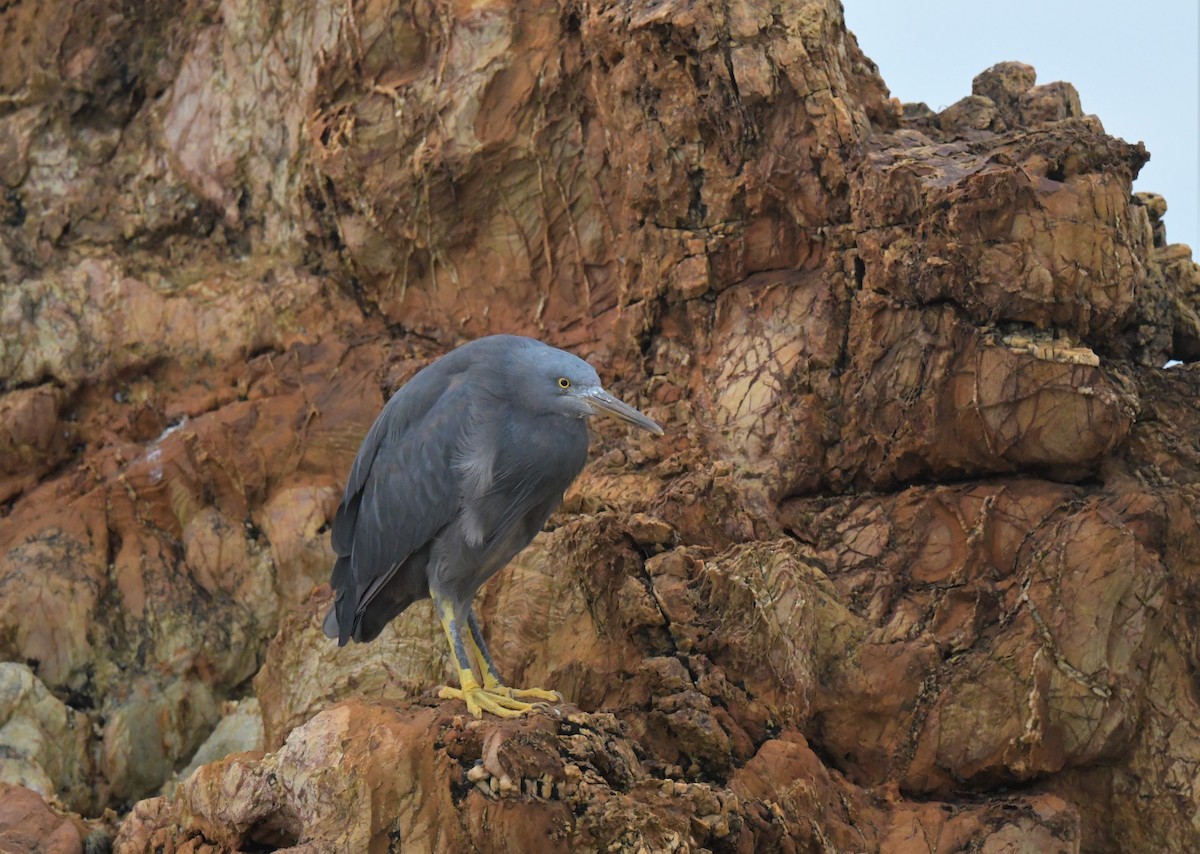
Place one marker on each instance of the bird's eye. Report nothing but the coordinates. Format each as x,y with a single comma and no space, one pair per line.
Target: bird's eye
563,382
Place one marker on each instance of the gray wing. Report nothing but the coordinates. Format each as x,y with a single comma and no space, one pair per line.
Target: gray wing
403,488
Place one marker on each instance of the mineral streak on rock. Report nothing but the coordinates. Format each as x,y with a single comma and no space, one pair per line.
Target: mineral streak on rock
915,567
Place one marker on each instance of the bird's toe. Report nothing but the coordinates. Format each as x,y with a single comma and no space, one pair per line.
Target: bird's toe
479,700
535,694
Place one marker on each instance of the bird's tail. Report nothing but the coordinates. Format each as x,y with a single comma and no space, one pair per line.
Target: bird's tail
330,626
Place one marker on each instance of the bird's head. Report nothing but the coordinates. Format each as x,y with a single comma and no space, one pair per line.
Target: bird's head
564,384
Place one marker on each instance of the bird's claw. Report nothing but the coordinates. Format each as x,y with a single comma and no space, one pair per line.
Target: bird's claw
498,700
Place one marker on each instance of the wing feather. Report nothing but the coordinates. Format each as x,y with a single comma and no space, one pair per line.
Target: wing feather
403,488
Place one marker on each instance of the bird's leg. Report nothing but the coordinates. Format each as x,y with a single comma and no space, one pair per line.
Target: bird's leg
479,652
478,698
491,679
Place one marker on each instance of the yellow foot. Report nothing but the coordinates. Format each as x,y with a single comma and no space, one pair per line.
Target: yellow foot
500,701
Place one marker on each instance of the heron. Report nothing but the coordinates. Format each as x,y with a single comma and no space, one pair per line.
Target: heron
459,472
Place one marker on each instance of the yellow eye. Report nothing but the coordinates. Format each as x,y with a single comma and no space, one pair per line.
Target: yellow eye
563,382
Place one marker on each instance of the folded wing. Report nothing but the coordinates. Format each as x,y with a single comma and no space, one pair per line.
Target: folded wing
403,489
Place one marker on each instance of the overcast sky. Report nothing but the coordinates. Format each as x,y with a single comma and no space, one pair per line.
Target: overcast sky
1134,64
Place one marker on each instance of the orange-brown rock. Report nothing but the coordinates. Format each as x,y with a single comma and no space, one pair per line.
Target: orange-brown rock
32,441
929,229
913,569
561,780
28,826
936,398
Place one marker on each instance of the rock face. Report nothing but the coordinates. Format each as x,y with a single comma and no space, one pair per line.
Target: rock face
28,825
915,567
570,781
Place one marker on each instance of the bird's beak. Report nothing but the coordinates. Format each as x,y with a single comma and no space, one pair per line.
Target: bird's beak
604,403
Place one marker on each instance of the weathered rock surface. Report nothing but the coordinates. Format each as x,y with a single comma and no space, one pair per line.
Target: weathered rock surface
44,744
914,568
239,730
28,826
432,780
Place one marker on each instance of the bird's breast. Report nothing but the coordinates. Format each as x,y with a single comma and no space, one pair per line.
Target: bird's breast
556,453
531,469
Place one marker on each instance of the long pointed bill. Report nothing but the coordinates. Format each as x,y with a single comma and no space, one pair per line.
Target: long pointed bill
605,404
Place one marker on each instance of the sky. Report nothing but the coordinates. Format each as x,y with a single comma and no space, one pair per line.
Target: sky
1135,66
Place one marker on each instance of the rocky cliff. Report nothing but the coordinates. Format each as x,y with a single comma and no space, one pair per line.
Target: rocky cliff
916,567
